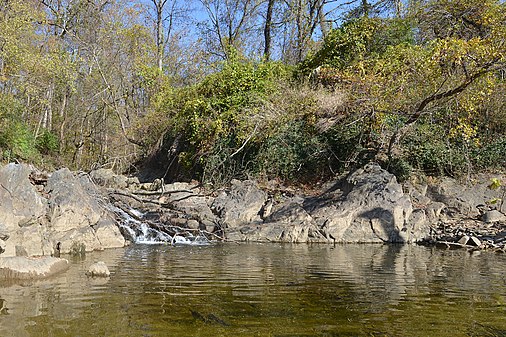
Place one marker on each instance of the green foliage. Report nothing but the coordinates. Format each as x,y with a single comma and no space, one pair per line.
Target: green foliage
491,155
293,151
219,112
47,143
427,150
357,40
16,140
401,168
348,143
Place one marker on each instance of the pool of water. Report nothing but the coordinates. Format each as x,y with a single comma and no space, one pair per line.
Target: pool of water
266,290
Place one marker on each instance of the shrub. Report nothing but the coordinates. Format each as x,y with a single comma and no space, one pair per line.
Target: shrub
427,149
47,142
293,151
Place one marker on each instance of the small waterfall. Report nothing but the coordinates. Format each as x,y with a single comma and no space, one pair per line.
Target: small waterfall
137,229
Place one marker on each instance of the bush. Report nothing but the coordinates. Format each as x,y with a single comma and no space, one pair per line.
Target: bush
427,149
492,155
47,143
293,151
357,40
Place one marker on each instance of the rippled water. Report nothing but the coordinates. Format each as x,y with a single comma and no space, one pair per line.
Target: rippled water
266,290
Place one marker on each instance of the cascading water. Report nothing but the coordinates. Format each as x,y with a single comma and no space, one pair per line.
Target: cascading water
138,231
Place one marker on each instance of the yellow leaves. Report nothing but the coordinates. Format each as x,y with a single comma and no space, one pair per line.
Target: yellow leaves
495,184
464,131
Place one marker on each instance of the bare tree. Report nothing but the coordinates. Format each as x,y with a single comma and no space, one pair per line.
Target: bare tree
303,19
230,24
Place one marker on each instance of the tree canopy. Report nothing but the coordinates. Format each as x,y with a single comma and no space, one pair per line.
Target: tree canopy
295,89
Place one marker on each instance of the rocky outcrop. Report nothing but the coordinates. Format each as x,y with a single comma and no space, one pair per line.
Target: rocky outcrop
22,212
368,206
65,212
28,268
372,208
241,205
52,214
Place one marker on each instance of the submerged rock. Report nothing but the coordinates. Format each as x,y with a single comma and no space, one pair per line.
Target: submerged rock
98,269
26,268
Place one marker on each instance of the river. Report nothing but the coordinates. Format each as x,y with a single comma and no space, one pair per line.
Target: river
266,290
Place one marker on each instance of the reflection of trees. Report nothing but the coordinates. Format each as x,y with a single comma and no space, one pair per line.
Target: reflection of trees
258,287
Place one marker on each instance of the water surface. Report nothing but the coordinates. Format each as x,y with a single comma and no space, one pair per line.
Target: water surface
266,290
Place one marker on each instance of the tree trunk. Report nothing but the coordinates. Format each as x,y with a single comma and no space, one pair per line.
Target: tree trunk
267,30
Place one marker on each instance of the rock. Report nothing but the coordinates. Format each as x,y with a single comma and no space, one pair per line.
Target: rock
240,206
107,178
474,241
493,216
193,224
469,241
76,216
463,240
464,197
417,194
373,208
434,211
21,207
71,206
26,268
289,222
186,198
77,241
108,234
98,269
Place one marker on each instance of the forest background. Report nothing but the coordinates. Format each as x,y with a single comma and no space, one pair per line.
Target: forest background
294,90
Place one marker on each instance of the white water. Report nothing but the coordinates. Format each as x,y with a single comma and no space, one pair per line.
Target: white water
141,233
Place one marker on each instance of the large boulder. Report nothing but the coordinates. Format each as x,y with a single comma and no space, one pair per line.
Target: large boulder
78,219
372,208
71,206
241,205
369,206
289,222
27,268
22,212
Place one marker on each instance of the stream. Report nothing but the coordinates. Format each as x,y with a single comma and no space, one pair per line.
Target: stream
265,290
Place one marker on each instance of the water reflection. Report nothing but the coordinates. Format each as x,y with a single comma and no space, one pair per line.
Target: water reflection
266,289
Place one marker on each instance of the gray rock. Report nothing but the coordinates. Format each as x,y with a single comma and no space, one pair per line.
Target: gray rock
463,240
193,224
434,211
493,216
465,198
108,234
469,241
240,206
98,269
107,178
21,208
71,206
289,222
25,268
373,209
186,198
